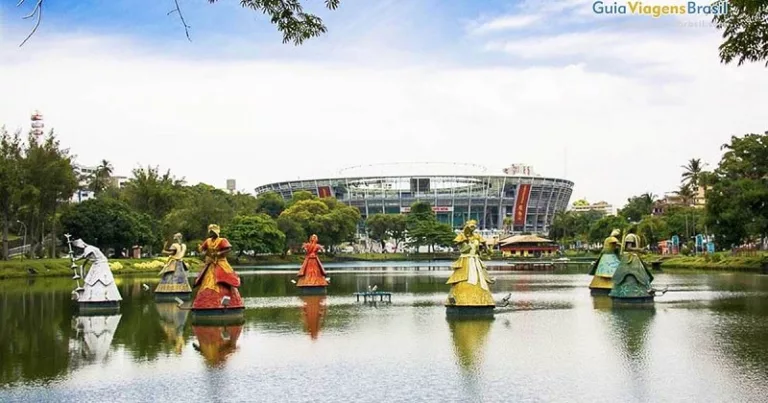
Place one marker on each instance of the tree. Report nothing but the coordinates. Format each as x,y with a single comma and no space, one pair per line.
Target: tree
10,181
108,223
507,223
691,175
258,233
653,229
289,16
270,203
637,207
331,221
377,226
398,229
151,192
686,194
101,178
49,181
737,204
684,221
382,227
423,229
295,235
299,196
603,227
194,207
745,31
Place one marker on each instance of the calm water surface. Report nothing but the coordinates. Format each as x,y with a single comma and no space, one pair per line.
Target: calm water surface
704,341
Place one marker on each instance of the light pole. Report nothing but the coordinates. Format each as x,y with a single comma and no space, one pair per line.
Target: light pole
23,239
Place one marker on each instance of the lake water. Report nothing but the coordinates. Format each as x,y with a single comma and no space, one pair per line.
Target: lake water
705,340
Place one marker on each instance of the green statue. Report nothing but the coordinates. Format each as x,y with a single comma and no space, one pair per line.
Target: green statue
632,279
605,265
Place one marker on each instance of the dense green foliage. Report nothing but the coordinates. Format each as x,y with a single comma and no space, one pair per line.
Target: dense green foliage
736,210
37,177
737,205
383,227
424,229
745,31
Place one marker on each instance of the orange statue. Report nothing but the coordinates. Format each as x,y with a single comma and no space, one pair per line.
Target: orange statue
312,313
312,275
217,282
216,343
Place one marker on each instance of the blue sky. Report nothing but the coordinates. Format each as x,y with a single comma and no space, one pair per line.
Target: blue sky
495,82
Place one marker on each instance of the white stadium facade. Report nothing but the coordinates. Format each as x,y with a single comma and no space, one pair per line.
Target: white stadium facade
457,192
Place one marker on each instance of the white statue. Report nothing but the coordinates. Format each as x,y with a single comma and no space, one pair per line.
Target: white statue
99,285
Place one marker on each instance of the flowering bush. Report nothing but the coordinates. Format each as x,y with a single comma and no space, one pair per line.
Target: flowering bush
115,266
155,264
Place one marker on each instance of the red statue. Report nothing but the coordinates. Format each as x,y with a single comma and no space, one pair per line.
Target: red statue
217,281
312,275
312,313
216,343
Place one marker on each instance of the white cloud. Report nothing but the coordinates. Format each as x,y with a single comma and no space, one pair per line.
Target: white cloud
626,130
508,22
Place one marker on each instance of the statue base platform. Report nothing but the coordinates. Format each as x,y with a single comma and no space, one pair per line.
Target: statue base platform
218,317
633,300
469,311
313,290
98,307
171,296
599,291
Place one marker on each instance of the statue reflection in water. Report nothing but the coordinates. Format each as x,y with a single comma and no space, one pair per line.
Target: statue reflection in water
469,337
312,313
172,321
630,329
94,336
216,343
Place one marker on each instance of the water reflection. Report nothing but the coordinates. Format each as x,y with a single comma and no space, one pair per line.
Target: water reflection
713,328
93,335
216,343
469,337
630,331
172,321
312,313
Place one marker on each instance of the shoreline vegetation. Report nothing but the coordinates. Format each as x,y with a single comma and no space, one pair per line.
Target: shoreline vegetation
28,268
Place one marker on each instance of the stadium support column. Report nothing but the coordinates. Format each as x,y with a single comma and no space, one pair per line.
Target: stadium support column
547,219
469,202
500,224
485,206
383,198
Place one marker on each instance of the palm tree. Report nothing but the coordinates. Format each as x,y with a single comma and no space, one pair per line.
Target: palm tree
507,222
692,175
686,193
101,177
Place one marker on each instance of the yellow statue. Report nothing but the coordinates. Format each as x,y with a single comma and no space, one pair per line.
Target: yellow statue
470,281
173,276
605,265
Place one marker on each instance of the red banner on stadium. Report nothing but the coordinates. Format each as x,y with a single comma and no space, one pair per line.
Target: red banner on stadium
324,191
521,205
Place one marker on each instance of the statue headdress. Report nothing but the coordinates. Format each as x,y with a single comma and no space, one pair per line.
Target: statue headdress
78,243
215,229
615,232
178,236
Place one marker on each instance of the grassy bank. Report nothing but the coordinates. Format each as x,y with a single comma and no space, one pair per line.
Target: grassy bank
60,267
716,262
347,257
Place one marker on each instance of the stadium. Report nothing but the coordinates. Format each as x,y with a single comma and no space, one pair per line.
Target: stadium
457,192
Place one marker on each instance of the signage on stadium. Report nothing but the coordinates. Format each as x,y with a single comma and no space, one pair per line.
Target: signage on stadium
436,209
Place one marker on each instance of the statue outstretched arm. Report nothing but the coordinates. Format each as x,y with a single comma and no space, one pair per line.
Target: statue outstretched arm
223,251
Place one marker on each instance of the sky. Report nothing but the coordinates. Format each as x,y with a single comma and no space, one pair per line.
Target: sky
614,103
